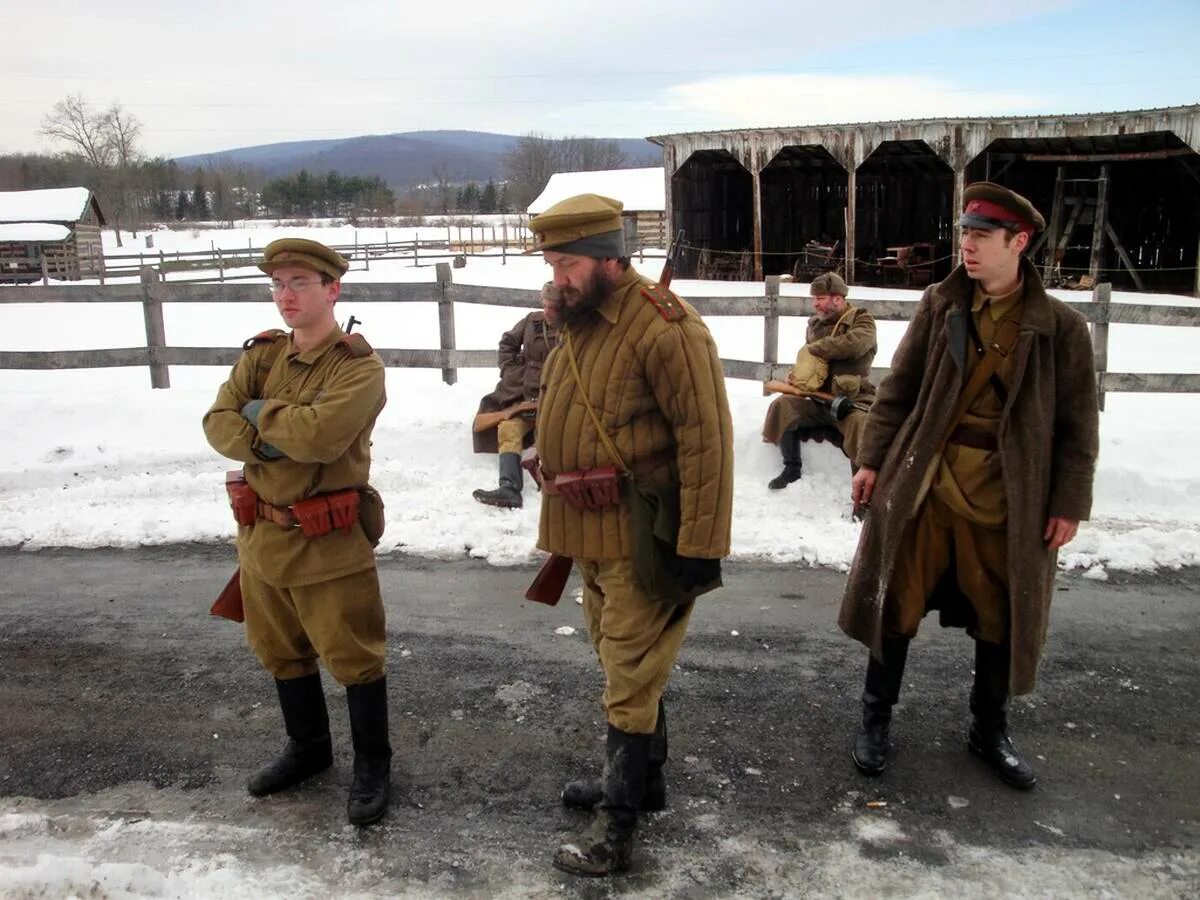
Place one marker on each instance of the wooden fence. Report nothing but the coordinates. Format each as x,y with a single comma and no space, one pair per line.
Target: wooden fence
152,293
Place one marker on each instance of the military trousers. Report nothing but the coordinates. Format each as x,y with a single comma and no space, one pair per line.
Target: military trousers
636,637
510,434
936,539
340,622
787,413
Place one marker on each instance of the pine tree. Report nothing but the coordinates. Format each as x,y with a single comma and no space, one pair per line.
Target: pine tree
488,199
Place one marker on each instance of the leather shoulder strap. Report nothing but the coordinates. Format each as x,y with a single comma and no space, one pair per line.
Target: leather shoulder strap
356,344
665,302
1001,345
263,337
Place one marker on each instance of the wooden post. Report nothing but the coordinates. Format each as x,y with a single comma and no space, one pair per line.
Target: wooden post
416,251
503,242
1102,297
156,333
956,202
1098,223
220,266
446,318
45,270
1124,254
771,322
756,230
1056,212
851,204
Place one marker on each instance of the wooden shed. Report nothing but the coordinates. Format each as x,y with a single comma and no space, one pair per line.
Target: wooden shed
642,192
53,232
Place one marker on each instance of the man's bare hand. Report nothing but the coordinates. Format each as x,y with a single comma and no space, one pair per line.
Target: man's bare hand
862,486
1060,531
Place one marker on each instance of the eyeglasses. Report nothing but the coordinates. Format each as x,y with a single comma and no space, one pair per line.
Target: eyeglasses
295,285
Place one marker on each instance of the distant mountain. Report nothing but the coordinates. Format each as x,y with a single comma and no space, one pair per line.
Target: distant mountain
402,160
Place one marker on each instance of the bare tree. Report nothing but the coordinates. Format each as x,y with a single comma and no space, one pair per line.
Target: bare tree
86,133
536,157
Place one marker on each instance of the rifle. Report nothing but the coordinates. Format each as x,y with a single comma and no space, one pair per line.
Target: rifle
840,406
351,323
552,577
228,604
487,420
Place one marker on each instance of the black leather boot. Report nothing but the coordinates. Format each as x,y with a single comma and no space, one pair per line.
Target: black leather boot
988,738
309,749
880,694
371,788
512,479
585,793
606,847
789,446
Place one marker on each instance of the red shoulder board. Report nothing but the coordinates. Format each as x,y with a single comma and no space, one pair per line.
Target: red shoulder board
665,302
264,337
357,345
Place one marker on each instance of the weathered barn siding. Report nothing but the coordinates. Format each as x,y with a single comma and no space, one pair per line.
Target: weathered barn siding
906,180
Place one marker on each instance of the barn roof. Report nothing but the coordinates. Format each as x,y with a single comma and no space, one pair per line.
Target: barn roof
641,190
33,232
50,205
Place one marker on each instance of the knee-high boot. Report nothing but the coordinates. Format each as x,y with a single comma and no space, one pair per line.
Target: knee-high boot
988,738
585,793
309,749
789,446
512,479
606,847
880,693
371,788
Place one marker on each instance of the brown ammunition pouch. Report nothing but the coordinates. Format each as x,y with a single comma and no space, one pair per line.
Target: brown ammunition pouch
242,499
319,515
314,516
370,514
588,489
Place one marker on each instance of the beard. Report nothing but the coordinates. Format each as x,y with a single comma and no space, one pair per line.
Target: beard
579,305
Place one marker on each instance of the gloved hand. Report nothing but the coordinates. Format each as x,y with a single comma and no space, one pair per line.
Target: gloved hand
268,451
694,573
251,410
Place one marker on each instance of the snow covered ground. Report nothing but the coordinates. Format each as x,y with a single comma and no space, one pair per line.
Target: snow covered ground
96,458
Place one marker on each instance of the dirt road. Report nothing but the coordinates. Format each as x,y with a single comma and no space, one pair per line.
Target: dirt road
131,718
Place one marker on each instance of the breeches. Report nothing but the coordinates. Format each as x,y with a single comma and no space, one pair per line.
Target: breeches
935,539
510,434
339,621
636,637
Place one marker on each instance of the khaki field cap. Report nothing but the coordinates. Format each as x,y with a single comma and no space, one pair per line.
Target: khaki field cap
304,253
828,283
988,205
567,225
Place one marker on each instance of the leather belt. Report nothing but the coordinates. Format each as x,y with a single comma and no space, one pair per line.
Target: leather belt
642,466
967,436
280,515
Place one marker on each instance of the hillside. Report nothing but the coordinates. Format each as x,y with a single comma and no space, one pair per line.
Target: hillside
400,159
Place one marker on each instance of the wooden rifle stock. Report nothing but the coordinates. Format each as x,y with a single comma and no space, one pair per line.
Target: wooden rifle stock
228,604
488,420
550,580
775,386
668,269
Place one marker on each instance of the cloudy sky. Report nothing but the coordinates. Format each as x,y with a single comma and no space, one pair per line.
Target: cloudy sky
218,74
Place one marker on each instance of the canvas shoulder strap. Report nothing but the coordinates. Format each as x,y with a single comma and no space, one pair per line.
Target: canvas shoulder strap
609,446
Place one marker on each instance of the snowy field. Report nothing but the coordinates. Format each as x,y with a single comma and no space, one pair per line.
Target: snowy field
96,458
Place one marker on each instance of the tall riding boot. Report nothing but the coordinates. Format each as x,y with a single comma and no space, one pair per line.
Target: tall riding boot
585,793
512,479
789,446
606,847
988,738
309,749
880,694
371,787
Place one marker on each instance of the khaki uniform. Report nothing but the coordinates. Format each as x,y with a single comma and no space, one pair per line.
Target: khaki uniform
963,512
848,346
659,390
306,597
522,353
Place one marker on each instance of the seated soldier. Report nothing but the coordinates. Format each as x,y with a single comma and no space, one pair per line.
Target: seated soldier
835,361
523,350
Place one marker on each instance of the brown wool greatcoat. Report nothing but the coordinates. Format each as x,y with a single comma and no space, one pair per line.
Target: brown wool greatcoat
849,352
523,352
1049,440
658,389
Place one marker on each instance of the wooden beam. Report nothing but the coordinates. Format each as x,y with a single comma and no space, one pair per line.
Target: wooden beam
1098,221
1120,248
1052,232
851,209
1107,157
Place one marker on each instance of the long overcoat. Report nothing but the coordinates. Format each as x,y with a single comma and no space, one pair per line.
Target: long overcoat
1049,439
523,352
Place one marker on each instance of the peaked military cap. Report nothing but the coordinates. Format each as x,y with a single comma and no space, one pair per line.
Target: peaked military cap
586,224
828,283
303,253
988,205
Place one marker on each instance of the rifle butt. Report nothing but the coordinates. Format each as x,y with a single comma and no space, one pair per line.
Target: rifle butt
228,604
551,579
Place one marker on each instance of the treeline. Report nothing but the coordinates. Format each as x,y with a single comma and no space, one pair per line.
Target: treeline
331,194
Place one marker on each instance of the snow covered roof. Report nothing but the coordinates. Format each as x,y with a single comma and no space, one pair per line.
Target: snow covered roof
641,190
52,205
33,231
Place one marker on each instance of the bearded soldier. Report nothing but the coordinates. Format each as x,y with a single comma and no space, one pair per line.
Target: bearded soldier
977,460
635,440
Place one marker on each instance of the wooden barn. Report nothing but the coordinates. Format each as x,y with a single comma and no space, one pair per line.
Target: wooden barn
53,233
642,191
879,201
